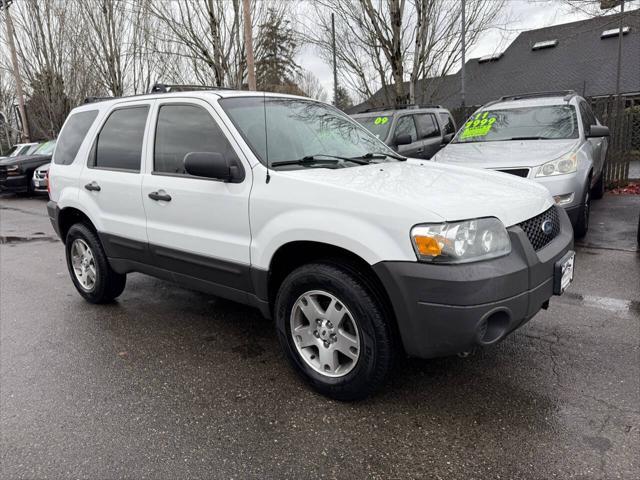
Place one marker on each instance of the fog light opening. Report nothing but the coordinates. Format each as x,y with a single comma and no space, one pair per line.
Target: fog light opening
493,328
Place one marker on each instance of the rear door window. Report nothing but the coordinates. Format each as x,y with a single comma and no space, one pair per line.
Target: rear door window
72,136
119,143
427,125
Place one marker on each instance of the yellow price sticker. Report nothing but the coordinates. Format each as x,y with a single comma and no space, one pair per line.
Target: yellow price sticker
478,126
381,120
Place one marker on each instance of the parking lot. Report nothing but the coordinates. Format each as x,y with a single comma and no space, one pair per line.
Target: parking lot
169,383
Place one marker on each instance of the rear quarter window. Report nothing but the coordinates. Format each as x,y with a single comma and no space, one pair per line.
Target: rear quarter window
72,136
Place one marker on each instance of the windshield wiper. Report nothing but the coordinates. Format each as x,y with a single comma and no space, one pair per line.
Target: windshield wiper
313,159
380,155
524,138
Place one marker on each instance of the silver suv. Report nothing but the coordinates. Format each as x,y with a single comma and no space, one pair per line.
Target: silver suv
552,138
413,131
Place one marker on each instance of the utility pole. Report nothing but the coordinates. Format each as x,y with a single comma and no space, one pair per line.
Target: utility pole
16,69
335,66
620,35
464,46
248,45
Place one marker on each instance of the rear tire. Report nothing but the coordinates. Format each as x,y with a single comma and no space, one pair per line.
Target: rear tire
582,225
597,192
89,268
334,331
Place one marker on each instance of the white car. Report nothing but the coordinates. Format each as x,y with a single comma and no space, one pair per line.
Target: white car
21,149
287,204
552,138
40,180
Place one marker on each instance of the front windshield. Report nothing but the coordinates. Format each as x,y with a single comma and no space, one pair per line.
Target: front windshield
46,148
536,123
377,124
300,129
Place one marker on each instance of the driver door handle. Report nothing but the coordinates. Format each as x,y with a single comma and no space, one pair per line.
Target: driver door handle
92,186
160,195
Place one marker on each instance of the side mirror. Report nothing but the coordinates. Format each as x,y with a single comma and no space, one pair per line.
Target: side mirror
402,139
447,138
211,165
597,131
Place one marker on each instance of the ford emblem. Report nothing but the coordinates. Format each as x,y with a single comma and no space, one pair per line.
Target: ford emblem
547,227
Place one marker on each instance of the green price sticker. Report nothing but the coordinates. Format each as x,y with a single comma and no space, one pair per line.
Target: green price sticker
478,126
381,120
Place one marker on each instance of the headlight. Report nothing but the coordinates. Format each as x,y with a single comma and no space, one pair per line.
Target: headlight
560,166
460,242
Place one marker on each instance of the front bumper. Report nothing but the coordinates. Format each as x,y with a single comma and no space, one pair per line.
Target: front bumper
564,184
17,183
446,309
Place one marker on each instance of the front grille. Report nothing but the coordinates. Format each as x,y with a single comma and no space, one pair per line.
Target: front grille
3,173
533,228
520,172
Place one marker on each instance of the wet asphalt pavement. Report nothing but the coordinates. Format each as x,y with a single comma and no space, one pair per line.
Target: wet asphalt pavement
169,383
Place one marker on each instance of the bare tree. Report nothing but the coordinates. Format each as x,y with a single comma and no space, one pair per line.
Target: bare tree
310,85
209,33
394,41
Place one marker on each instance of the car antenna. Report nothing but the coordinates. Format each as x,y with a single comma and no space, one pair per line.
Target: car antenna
266,138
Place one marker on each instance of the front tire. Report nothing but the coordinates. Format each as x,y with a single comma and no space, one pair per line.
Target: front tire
582,225
334,331
89,268
597,192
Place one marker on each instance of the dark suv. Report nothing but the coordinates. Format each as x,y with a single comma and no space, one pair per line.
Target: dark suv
413,131
16,172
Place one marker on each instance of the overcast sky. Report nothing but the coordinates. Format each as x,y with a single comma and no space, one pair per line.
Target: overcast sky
523,15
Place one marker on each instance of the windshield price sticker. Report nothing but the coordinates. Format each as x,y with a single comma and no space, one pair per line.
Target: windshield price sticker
381,120
478,126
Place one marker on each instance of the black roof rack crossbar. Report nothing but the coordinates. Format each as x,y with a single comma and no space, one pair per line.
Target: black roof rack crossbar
166,88
565,93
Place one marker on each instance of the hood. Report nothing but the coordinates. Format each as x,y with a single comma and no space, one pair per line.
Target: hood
44,168
26,159
515,153
429,192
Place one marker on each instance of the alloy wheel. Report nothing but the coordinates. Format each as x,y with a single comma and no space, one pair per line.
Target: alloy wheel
325,333
84,265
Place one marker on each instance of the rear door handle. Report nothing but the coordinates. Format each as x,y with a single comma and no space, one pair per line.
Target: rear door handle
160,195
92,186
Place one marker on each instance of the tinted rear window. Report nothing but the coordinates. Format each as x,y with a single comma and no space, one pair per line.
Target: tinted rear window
119,144
72,136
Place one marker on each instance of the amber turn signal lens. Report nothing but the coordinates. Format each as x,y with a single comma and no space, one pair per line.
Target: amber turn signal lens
428,246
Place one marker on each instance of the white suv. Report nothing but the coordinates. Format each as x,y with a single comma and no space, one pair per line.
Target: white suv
289,205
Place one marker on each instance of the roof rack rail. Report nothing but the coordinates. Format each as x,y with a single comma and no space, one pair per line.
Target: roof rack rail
399,107
166,88
567,94
97,99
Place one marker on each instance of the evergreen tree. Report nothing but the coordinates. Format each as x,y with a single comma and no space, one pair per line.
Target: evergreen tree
276,48
47,106
343,98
